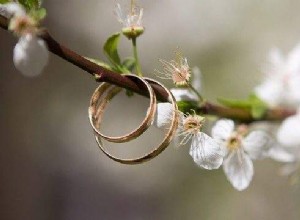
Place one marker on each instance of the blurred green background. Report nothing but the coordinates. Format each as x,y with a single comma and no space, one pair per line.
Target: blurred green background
50,166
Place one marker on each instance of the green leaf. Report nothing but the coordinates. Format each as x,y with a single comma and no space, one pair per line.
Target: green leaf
129,63
235,103
258,111
39,14
187,106
111,50
31,4
100,63
254,104
4,1
259,108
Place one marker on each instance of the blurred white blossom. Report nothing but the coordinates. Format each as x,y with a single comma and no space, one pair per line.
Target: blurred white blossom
12,9
287,148
289,131
283,154
239,149
288,155
30,53
205,151
282,80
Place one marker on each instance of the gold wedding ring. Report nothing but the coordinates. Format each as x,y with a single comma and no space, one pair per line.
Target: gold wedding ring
99,103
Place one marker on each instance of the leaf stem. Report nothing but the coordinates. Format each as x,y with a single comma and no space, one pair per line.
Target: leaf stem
135,53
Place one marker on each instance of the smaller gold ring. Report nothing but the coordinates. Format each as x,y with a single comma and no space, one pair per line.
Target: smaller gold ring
161,147
98,104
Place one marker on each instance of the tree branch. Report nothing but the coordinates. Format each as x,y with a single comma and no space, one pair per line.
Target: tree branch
103,75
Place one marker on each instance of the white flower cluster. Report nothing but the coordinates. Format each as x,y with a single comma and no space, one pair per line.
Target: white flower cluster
232,148
30,53
235,148
281,88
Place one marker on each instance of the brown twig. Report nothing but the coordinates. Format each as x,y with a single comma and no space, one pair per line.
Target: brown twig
103,75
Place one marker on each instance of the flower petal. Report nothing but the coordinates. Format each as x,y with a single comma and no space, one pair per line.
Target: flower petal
256,144
288,133
206,152
238,169
163,114
281,154
183,95
30,55
11,9
271,91
289,169
222,130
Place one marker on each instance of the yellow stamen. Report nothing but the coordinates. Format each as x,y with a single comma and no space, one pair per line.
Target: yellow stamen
193,123
234,142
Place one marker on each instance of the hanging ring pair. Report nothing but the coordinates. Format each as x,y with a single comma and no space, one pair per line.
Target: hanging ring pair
99,101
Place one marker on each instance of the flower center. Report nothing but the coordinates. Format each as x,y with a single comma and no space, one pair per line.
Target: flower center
22,25
234,142
181,76
193,123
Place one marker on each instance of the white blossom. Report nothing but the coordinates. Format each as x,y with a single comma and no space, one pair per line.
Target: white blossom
282,80
288,155
240,150
205,151
289,131
12,9
287,148
30,55
282,154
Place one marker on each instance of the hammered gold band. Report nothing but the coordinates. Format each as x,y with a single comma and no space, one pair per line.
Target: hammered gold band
99,103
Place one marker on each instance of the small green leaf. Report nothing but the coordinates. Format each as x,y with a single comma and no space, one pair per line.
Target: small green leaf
129,63
4,1
30,5
235,103
258,108
111,49
187,106
258,111
254,104
39,14
100,63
